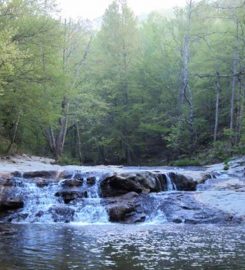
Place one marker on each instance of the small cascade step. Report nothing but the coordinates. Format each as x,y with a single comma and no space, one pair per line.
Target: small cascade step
170,184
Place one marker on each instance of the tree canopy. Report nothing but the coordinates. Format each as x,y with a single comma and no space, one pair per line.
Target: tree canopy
171,86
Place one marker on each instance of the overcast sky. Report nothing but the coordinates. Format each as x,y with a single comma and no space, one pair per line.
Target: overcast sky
91,9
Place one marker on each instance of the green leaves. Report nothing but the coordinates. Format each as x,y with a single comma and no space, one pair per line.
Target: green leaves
121,82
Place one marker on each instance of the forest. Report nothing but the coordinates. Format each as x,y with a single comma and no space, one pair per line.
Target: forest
168,88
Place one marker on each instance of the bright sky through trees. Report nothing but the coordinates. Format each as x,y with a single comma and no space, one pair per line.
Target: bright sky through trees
92,9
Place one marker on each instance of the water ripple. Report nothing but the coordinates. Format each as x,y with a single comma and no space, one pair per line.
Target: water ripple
122,247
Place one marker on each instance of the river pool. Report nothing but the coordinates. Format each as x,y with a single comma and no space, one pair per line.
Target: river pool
121,247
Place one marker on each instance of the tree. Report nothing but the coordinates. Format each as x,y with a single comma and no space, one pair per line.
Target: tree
118,49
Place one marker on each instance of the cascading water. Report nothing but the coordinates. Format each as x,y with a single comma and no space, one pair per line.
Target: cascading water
42,203
91,210
87,195
75,198
170,184
37,202
158,216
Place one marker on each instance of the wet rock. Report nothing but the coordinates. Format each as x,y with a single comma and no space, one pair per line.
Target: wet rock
177,220
184,208
237,167
11,182
10,197
71,195
71,175
16,174
41,183
125,214
128,196
222,183
39,214
41,174
91,180
205,177
69,183
66,174
118,213
125,209
11,204
79,176
183,182
9,200
227,201
62,213
119,184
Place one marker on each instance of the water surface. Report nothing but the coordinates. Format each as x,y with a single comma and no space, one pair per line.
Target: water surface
121,247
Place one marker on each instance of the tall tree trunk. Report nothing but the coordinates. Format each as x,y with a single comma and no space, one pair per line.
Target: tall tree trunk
233,91
16,125
191,121
49,133
79,143
218,90
185,71
56,138
241,109
235,62
185,92
56,143
126,144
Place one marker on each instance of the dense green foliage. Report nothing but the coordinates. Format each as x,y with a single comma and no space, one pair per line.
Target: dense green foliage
165,88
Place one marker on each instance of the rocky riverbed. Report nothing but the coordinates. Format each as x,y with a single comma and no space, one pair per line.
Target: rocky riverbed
33,190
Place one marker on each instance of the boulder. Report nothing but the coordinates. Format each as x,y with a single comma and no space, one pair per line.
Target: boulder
177,207
41,174
10,198
125,209
70,183
42,183
125,214
66,174
91,180
183,182
122,183
11,204
69,195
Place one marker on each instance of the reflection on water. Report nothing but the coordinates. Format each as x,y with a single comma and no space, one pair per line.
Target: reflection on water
121,247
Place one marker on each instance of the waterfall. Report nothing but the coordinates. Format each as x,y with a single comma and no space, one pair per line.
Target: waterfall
92,211
75,197
42,203
170,184
37,202
157,215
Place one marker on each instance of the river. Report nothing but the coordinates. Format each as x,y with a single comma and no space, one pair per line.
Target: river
121,247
